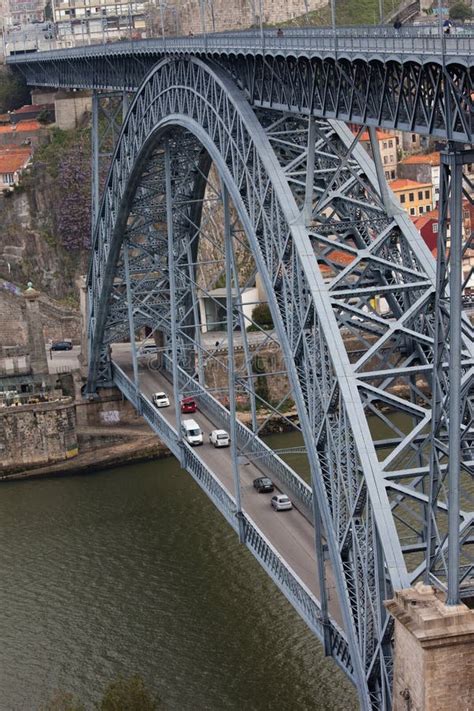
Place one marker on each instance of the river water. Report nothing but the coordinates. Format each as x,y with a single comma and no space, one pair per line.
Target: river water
134,571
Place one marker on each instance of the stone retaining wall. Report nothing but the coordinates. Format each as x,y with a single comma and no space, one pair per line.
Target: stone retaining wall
35,435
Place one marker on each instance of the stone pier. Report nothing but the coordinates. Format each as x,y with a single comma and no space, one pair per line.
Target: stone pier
434,652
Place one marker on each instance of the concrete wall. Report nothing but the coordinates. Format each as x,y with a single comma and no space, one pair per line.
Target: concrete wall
35,435
110,409
70,108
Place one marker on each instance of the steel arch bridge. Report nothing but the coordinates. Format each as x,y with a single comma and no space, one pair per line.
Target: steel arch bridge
300,196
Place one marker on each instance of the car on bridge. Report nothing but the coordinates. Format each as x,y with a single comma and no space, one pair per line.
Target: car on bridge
191,432
281,502
161,400
61,346
263,485
188,405
219,438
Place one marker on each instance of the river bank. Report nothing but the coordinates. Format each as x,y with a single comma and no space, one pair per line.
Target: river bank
108,447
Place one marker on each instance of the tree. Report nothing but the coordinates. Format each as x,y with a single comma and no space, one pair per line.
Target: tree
460,11
128,695
262,316
13,90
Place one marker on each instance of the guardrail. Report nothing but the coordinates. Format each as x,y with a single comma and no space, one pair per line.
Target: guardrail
365,40
266,458
289,583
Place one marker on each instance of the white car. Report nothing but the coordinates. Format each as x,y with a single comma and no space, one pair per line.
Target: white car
219,438
161,400
281,502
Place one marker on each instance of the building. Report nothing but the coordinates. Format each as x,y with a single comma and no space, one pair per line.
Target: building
25,133
22,12
32,112
415,197
83,22
13,162
424,168
388,143
212,307
427,226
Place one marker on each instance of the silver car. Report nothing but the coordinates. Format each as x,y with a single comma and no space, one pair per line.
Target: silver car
281,502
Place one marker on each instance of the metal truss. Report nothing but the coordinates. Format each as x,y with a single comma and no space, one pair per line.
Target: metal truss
450,563
415,82
345,273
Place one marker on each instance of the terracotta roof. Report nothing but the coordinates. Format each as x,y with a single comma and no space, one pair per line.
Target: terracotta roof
381,135
406,184
28,108
22,126
430,158
422,220
13,159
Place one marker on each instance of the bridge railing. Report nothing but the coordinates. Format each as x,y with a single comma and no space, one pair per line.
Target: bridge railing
290,584
382,39
253,448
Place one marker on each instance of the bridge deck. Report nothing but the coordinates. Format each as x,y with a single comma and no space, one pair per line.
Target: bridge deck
291,534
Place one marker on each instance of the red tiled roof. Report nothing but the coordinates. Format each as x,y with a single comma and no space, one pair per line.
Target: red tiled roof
22,126
28,108
406,184
13,159
381,135
430,158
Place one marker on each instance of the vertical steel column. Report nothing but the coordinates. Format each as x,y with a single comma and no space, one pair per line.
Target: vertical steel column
230,357
131,324
172,283
454,158
308,198
196,316
95,159
125,105
247,354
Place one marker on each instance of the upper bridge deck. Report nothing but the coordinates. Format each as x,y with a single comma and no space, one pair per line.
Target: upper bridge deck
413,79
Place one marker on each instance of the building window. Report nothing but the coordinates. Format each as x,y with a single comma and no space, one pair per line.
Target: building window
412,211
422,209
7,178
427,194
390,144
420,195
411,197
402,198
385,145
413,137
392,174
387,174
435,227
385,160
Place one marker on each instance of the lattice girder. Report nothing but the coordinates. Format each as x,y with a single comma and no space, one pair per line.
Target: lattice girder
334,394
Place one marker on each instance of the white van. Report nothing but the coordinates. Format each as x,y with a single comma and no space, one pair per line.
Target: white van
191,432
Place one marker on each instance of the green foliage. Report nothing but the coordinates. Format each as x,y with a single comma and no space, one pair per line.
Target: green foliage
262,317
460,11
13,90
128,695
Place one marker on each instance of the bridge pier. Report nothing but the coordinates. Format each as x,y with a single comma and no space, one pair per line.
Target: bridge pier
434,644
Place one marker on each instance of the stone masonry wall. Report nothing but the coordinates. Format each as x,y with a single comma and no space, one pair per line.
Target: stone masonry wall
35,435
222,15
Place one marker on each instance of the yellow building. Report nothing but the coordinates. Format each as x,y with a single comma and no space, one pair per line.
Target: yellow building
415,197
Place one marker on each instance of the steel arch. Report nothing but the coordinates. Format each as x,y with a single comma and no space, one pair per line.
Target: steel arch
201,99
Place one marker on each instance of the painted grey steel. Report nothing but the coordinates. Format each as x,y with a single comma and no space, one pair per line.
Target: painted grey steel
412,81
309,200
229,273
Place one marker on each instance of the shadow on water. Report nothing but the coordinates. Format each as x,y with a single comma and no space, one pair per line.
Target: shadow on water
134,571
